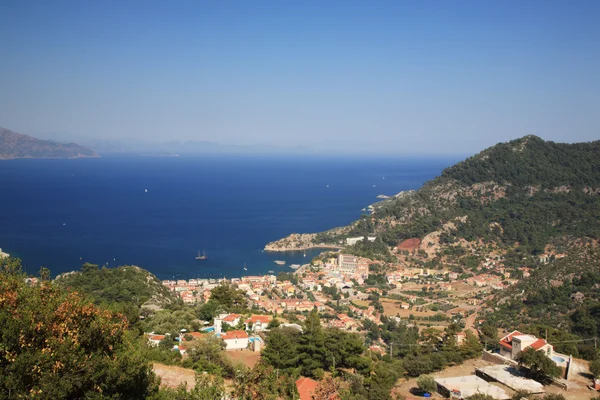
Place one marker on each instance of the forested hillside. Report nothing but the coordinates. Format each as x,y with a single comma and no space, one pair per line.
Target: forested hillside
124,289
523,192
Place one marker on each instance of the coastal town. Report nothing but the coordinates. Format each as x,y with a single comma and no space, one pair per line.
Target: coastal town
366,289
351,292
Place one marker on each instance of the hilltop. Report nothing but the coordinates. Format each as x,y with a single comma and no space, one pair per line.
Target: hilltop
16,145
519,194
125,285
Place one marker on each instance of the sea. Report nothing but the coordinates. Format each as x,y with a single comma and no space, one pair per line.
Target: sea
159,212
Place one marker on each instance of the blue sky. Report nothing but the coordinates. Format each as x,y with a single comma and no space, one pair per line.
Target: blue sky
403,77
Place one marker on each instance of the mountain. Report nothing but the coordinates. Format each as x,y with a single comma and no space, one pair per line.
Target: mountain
16,145
520,195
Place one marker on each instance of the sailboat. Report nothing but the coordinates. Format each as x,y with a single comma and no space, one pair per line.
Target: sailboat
201,257
245,269
304,253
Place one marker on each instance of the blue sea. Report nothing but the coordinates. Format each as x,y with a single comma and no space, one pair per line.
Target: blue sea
158,212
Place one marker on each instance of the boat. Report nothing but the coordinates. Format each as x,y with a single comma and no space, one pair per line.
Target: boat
201,256
295,266
304,253
271,272
279,262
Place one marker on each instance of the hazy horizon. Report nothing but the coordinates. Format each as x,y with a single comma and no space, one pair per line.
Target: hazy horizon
340,77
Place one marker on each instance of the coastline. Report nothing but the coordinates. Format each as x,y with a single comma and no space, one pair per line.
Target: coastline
290,249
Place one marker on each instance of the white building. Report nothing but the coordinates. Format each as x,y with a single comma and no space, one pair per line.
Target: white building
235,340
347,264
353,240
515,342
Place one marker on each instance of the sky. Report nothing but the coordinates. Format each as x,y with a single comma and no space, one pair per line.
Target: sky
405,77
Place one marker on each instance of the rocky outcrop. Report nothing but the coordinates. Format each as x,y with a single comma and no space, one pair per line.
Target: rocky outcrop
298,241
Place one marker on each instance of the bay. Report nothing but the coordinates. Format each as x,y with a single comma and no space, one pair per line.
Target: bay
158,212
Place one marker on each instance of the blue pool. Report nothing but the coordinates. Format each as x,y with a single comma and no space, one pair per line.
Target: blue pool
558,359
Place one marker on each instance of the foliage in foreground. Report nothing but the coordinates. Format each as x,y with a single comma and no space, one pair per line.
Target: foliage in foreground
56,344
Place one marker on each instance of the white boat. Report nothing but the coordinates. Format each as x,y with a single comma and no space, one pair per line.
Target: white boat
295,266
304,253
146,190
279,262
201,257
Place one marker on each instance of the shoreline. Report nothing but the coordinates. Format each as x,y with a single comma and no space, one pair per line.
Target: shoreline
303,248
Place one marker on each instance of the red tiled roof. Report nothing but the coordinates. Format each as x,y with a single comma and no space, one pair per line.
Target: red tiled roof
234,335
506,344
306,388
538,344
156,337
231,317
259,318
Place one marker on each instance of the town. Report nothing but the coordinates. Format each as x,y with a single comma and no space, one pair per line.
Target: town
351,292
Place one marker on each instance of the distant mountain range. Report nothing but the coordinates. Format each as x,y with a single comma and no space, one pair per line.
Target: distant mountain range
16,145
188,147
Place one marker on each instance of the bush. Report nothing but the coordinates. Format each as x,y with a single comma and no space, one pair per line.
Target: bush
426,383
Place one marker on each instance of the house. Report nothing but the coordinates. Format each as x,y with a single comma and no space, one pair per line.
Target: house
460,338
154,340
230,319
235,340
306,388
259,322
515,342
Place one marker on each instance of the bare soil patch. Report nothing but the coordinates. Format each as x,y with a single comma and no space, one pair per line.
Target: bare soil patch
172,376
246,357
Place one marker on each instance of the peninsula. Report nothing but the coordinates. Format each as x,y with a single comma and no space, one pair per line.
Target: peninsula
15,145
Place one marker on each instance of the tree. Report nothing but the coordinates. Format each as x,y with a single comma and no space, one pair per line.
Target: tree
263,383
471,347
281,351
206,355
55,344
595,368
207,388
312,351
539,366
416,366
426,383
229,297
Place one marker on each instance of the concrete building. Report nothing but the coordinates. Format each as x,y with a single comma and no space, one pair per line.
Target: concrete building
347,264
353,240
509,377
461,387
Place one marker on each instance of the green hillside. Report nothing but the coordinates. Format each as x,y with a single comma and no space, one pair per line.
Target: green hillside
526,191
